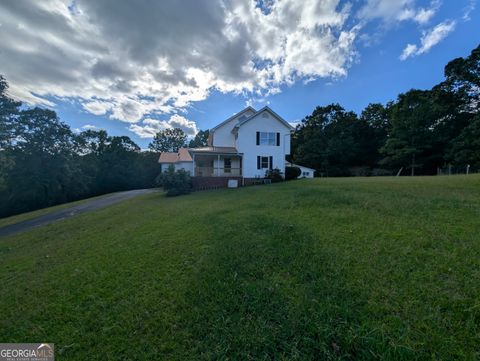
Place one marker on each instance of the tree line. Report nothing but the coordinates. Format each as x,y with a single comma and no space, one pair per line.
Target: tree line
43,162
420,132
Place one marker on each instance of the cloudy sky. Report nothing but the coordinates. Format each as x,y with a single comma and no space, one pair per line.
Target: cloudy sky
135,67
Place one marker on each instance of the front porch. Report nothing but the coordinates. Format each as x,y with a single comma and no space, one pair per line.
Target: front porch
217,165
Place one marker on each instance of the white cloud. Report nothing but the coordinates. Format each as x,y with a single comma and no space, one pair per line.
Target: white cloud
97,107
429,39
171,53
468,10
409,50
398,10
90,127
149,127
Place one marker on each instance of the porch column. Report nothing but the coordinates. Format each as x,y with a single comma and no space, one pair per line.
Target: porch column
193,168
218,165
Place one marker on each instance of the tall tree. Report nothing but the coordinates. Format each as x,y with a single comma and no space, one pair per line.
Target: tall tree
200,140
332,141
168,140
412,119
465,148
463,77
9,112
44,170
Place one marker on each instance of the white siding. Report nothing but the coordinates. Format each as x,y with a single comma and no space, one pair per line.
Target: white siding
306,172
223,137
246,144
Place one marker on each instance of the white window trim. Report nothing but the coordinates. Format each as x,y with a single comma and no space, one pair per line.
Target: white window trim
261,162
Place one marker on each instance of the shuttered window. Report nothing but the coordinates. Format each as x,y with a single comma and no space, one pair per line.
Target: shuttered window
268,138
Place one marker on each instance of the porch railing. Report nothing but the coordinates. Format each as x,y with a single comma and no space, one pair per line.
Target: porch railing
217,172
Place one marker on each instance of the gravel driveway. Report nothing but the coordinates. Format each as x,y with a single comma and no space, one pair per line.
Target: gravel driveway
86,206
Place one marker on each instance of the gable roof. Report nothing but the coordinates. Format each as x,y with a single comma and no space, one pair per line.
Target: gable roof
170,157
266,108
233,116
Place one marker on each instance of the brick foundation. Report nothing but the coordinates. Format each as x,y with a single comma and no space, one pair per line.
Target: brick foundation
204,183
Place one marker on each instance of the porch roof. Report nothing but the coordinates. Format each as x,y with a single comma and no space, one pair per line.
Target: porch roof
214,150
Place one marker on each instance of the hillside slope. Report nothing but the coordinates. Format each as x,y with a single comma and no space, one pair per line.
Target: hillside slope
360,268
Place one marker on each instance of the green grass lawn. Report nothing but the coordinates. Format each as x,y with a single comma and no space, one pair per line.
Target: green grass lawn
324,269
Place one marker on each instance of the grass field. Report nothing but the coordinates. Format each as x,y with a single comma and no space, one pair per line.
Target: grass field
324,269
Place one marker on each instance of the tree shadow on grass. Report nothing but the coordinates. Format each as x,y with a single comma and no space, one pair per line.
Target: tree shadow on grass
264,293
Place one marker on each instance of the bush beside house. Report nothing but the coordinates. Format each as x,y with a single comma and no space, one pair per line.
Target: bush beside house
175,183
274,174
292,173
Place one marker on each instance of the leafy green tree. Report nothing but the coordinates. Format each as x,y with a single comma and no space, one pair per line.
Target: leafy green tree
333,141
44,171
465,149
168,140
463,78
412,120
9,112
200,140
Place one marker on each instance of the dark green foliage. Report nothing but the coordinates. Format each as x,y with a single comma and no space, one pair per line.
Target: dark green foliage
275,175
292,173
174,182
42,162
465,149
333,140
168,140
421,131
410,137
200,140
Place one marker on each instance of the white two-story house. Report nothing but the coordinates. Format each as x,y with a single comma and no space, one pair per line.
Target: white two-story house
245,145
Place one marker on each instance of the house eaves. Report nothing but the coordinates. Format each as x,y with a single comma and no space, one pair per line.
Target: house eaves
266,108
232,117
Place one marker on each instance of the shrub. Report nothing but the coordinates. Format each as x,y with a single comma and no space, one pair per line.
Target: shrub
175,183
292,173
274,174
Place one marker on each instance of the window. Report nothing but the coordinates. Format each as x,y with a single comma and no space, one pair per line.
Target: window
227,165
268,138
306,174
264,162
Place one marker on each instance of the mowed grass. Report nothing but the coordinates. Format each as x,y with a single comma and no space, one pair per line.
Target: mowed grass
324,269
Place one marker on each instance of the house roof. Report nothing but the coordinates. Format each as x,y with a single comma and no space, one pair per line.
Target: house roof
297,165
181,156
266,108
233,116
215,150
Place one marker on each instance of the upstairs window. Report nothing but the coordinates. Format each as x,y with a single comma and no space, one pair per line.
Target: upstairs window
268,138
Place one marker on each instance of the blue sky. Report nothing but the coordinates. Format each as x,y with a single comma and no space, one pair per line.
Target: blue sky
78,58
